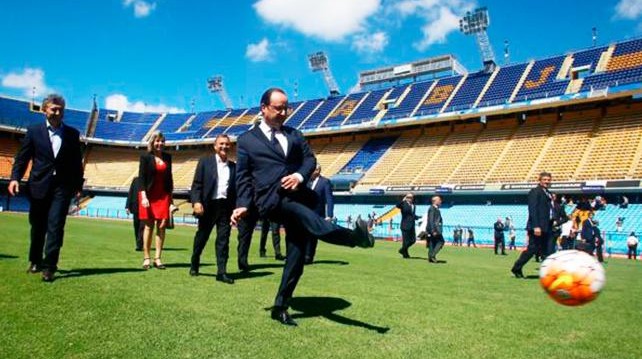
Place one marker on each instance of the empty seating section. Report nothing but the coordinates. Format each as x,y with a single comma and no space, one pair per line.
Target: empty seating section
243,123
141,118
588,57
344,110
131,128
468,92
624,67
321,113
566,147
368,155
105,206
173,122
632,218
111,167
503,85
221,126
614,148
389,163
336,154
541,80
438,96
438,169
205,121
18,113
409,103
482,156
368,108
8,149
302,113
184,165
77,119
514,165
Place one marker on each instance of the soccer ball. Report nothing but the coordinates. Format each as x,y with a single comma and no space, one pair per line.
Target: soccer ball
572,277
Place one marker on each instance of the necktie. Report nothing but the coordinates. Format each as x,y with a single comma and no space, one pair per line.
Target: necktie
276,143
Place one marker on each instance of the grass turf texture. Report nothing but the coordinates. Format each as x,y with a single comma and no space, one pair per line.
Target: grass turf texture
352,303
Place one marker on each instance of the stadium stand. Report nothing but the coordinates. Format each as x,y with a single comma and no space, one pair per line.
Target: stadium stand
368,155
409,102
18,113
8,149
368,109
173,122
440,93
111,167
542,80
500,90
302,112
319,115
344,110
467,94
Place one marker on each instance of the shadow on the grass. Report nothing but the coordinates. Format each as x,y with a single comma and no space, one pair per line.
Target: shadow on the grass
241,275
328,261
174,249
82,272
7,256
325,307
531,276
253,267
184,265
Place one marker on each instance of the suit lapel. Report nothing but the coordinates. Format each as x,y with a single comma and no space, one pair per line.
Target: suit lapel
261,137
44,132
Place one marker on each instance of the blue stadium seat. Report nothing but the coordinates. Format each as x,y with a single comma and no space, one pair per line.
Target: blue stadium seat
409,103
503,85
367,110
541,80
368,155
321,113
468,92
344,110
438,96
302,113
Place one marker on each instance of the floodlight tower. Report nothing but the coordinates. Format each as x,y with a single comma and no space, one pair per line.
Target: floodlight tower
319,62
215,85
476,23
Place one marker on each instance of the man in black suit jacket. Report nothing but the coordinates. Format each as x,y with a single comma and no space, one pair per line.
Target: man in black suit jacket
539,224
435,229
408,218
274,164
324,208
213,198
56,176
131,205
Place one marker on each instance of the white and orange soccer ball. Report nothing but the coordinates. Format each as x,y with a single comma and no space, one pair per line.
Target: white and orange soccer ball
572,277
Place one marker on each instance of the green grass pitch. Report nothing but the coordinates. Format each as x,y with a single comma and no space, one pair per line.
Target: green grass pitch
352,303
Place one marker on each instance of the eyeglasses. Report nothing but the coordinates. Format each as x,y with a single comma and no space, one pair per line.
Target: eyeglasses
281,109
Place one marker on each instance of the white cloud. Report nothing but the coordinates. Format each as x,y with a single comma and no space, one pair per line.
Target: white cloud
30,80
441,17
328,20
120,102
628,9
370,43
141,8
258,52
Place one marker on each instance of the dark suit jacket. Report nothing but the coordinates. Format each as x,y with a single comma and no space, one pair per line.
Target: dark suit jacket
260,167
408,216
539,210
435,223
36,146
132,196
147,171
325,200
499,229
590,232
206,180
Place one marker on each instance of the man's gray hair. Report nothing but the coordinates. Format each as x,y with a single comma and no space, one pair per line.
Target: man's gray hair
53,98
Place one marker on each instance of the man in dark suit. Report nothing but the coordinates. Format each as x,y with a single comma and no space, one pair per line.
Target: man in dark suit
539,224
592,237
500,239
56,176
274,165
408,218
131,205
434,228
275,228
213,198
324,208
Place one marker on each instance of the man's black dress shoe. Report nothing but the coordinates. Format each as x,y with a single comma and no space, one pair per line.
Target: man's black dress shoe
282,316
33,268
193,272
47,275
224,278
362,236
262,254
279,257
244,267
517,273
404,253
308,260
432,260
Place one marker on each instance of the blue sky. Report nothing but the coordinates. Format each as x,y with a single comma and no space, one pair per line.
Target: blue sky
156,55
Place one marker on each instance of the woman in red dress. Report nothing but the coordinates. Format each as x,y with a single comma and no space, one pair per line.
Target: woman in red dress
155,173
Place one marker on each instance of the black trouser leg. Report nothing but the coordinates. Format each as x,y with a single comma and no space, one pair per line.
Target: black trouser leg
245,230
205,225
295,239
408,238
265,229
436,243
56,227
138,235
534,247
223,229
38,216
276,238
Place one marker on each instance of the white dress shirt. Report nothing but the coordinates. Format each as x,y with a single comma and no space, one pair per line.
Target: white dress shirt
267,131
223,175
55,137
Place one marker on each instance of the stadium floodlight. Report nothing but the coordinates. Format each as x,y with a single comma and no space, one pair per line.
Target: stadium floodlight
476,23
319,63
215,85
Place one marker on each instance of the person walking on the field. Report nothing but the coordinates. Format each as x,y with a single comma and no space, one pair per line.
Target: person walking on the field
632,244
131,205
56,176
471,238
434,229
539,224
408,218
500,241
